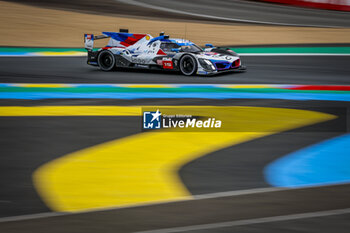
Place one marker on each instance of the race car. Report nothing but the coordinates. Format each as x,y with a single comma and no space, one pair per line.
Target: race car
131,50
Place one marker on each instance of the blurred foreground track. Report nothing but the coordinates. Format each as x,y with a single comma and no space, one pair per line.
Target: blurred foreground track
118,173
24,152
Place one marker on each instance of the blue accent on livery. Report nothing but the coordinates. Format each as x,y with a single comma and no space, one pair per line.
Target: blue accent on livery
179,42
322,164
184,44
119,36
225,64
206,95
157,38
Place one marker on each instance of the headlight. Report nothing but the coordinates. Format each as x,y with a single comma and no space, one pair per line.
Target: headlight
206,64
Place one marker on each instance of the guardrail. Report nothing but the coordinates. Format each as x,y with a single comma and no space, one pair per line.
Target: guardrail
340,5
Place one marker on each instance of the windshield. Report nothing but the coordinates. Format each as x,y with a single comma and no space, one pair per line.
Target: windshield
190,48
166,47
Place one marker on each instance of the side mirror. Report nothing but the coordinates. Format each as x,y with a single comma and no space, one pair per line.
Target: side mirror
209,45
175,50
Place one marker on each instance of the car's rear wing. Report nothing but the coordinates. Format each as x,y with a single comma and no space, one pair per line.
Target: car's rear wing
89,39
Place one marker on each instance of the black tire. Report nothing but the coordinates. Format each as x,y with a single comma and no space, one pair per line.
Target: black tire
188,65
106,60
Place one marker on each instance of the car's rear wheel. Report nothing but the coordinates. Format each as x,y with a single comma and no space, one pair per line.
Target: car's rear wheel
106,60
188,65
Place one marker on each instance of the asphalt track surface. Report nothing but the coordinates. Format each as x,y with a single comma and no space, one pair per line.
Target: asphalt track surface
234,11
261,69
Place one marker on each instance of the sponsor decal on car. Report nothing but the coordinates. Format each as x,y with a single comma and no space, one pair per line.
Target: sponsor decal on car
167,63
210,53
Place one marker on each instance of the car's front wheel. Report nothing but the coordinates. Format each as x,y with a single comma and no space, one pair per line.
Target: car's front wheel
106,60
188,65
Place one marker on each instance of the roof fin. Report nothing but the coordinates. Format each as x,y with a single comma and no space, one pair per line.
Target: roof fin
124,30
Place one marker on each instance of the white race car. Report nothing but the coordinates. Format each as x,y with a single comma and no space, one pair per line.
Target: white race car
127,50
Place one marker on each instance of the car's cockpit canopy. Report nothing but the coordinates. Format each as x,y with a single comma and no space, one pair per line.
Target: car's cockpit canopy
172,46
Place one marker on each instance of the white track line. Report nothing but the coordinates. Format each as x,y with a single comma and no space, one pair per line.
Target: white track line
31,216
141,4
251,221
195,197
